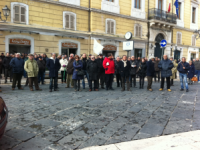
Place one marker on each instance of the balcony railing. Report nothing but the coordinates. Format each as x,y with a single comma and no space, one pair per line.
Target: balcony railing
162,15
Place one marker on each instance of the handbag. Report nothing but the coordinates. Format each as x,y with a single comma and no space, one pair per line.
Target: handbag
194,79
80,72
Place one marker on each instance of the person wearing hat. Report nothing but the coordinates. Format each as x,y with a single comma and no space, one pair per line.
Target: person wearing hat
165,66
32,70
42,66
150,73
63,69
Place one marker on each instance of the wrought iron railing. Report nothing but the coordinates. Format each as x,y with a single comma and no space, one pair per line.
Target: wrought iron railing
161,15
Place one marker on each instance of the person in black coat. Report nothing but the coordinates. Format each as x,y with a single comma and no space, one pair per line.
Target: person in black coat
142,72
125,67
84,61
133,71
117,71
101,73
6,64
93,69
41,65
53,65
150,73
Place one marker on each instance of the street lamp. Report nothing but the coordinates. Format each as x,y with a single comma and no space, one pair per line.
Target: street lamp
6,13
197,34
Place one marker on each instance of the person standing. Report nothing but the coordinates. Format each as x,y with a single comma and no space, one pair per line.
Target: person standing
174,70
124,67
1,65
42,66
32,70
133,71
78,65
191,72
157,70
17,65
3,68
53,65
165,66
85,61
6,64
63,69
117,72
93,70
142,72
109,66
183,68
70,70
150,73
197,68
101,72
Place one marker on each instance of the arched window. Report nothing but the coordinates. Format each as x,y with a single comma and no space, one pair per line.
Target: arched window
138,30
69,20
179,38
110,26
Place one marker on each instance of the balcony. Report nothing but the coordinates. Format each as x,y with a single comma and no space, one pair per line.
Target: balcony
162,18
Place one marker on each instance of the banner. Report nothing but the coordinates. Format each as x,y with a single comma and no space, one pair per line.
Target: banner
97,48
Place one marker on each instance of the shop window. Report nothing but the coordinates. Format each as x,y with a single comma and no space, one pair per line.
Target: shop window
110,26
179,37
193,40
69,20
138,31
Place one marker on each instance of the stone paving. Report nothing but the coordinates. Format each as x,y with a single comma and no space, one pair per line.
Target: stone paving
66,120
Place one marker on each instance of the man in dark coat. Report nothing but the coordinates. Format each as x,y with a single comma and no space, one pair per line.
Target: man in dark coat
117,71
165,66
53,65
133,71
42,65
93,69
150,73
6,64
84,61
157,70
101,73
70,70
124,67
17,65
3,68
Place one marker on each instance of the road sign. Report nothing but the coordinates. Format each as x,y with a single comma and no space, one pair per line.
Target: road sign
163,43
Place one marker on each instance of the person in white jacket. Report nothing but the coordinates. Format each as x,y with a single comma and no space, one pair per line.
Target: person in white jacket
63,69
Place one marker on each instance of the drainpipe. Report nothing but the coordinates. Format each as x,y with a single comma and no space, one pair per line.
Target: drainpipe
89,28
172,29
148,35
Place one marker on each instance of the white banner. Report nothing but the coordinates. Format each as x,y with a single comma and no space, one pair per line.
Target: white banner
97,48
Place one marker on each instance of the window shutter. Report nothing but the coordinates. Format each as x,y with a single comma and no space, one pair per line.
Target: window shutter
22,14
67,21
16,13
193,40
108,26
136,30
72,21
112,27
139,31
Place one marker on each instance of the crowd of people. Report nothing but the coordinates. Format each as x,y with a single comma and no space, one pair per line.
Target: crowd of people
98,71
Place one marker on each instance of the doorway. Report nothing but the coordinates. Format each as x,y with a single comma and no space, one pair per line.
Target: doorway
68,51
19,49
177,55
193,56
158,51
105,53
138,53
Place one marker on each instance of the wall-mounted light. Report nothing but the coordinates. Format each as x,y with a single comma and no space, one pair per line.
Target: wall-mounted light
6,13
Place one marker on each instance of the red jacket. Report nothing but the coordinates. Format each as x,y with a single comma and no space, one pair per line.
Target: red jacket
110,69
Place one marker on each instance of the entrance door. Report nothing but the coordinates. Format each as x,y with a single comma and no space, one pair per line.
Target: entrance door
138,53
109,49
193,56
19,49
177,55
158,52
68,51
105,53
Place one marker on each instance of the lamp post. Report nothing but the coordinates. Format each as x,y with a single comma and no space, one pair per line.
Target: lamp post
6,13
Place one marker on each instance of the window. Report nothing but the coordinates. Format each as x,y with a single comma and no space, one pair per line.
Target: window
110,26
179,10
179,37
138,31
110,0
160,3
193,40
137,4
69,20
193,15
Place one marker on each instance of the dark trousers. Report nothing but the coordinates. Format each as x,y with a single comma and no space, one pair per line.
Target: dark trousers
77,84
41,77
101,76
17,77
162,82
63,76
127,82
118,77
134,80
172,82
157,74
35,80
149,79
8,74
141,81
109,80
55,79
95,84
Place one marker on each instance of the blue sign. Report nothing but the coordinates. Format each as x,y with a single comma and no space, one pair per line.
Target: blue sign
163,43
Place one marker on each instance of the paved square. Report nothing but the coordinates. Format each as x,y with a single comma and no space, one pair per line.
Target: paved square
70,120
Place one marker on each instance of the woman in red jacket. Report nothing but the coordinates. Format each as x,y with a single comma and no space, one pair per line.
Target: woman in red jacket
109,66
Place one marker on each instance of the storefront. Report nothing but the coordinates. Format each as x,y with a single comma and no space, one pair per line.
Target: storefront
109,49
68,48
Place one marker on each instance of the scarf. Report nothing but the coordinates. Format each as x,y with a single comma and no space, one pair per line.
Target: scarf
125,63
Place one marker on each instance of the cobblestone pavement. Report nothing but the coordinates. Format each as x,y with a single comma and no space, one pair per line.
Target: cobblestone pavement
69,120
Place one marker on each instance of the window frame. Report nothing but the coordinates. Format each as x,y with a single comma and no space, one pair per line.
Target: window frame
114,28
194,15
135,31
135,4
177,38
64,20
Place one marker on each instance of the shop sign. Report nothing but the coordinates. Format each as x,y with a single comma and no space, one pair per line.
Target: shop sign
110,48
20,41
128,45
70,45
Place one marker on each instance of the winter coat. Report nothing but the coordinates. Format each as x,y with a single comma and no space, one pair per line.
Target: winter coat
197,65
100,65
142,69
124,71
31,67
6,62
84,61
110,69
17,65
117,69
174,70
70,67
63,63
150,68
53,67
77,67
181,65
165,67
191,71
93,69
133,70
1,65
41,65
156,65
